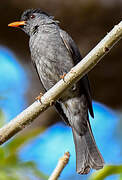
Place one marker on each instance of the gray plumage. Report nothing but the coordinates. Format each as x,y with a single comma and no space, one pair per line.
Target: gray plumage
54,53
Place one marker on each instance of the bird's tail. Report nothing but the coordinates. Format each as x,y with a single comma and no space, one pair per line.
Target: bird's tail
87,153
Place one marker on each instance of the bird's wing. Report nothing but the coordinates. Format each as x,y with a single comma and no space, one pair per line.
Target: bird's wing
57,104
62,114
87,153
35,66
76,56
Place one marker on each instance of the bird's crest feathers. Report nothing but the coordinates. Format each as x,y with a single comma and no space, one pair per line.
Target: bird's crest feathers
29,12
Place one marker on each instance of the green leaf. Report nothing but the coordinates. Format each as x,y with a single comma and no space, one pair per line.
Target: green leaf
106,171
11,167
22,139
120,177
8,175
2,154
2,118
11,160
36,171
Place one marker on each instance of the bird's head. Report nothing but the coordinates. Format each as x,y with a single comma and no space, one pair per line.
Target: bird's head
31,19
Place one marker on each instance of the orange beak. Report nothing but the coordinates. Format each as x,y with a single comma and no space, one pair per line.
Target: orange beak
17,24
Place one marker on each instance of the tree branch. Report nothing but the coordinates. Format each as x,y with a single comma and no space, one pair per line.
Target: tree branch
60,166
78,71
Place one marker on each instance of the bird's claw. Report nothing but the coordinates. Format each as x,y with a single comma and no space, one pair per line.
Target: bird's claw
63,76
38,98
51,102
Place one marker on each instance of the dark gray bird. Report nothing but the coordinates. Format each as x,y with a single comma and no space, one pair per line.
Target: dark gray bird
54,53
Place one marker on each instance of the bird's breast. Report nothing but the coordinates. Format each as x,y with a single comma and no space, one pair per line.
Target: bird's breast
50,57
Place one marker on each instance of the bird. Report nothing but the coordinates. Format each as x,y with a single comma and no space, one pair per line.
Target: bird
54,53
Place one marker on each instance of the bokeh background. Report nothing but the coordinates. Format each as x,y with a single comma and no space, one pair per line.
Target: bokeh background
34,153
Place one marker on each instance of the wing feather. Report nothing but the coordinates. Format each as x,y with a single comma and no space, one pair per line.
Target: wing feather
76,56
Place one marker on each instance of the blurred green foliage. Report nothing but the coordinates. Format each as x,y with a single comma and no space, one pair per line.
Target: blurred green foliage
107,171
11,166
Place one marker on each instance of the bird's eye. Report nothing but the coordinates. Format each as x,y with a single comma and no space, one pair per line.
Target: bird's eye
32,16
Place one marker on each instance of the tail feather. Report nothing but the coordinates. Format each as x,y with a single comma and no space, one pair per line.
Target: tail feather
87,153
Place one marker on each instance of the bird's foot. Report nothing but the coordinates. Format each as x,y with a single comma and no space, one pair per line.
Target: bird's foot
63,76
39,97
51,102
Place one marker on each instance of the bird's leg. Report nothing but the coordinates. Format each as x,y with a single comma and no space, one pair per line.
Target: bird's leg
51,102
39,97
63,76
